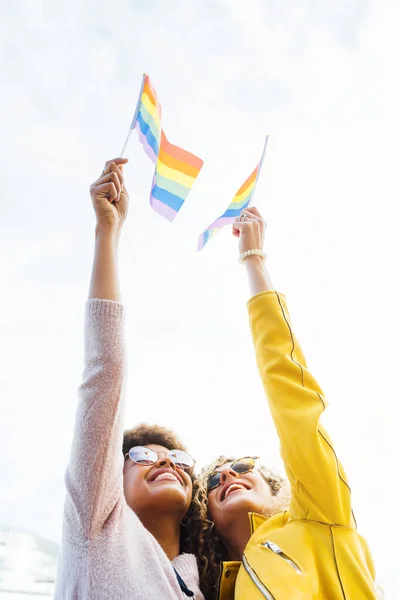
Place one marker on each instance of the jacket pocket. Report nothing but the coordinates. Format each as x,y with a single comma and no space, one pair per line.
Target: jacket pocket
255,579
277,550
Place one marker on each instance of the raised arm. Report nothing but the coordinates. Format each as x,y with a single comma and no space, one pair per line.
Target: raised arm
94,473
319,488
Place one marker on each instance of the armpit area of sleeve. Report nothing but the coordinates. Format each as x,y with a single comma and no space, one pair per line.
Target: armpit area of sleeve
100,307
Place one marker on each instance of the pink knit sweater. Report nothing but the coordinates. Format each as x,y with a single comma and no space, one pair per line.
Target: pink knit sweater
106,553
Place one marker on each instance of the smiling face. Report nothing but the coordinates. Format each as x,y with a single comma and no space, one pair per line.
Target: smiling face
159,488
237,495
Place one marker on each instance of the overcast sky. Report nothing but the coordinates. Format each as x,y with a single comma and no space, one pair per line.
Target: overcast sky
321,78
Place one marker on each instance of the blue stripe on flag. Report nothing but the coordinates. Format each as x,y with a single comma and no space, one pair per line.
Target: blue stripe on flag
146,130
235,212
167,198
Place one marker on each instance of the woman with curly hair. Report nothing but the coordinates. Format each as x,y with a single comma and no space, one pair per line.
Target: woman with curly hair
128,495
277,541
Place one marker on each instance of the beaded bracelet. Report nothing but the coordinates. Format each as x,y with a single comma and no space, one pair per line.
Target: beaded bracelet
247,253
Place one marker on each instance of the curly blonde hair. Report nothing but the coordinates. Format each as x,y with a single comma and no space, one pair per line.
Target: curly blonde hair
205,542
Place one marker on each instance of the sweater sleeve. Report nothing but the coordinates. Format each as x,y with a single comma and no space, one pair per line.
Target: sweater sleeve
320,491
94,478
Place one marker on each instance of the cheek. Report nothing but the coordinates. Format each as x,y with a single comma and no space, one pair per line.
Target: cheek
213,507
188,486
265,490
262,494
132,483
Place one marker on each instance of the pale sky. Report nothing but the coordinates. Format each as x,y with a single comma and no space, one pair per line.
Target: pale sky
321,78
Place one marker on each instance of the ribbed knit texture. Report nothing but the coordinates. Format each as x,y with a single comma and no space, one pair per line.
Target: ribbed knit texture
106,552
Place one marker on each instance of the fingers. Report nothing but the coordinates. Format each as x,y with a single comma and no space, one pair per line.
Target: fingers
107,189
112,166
117,161
112,177
113,172
254,213
253,210
246,217
252,225
251,214
242,226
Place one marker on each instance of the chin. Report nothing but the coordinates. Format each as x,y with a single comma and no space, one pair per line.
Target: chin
171,496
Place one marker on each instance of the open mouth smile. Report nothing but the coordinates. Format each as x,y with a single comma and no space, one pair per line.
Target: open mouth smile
166,475
234,487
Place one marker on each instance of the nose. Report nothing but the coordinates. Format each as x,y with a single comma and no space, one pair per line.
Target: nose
164,462
226,473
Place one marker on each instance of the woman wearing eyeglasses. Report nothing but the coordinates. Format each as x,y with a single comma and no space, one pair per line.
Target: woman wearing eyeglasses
271,547
127,494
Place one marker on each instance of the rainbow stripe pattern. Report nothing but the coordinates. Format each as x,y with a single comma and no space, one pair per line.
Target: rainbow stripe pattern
241,200
175,169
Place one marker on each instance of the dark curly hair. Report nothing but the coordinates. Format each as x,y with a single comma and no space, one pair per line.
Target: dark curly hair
144,434
205,542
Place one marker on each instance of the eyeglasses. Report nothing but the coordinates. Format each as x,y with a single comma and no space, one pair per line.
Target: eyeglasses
240,466
146,456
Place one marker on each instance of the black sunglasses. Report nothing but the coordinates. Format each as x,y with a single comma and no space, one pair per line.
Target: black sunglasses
240,466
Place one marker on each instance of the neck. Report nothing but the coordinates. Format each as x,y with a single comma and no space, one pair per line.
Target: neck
238,534
166,530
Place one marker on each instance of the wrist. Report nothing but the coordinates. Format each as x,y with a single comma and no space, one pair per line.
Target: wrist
254,262
111,232
258,275
249,254
254,259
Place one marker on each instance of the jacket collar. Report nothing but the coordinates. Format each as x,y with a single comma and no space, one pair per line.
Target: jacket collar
229,569
256,520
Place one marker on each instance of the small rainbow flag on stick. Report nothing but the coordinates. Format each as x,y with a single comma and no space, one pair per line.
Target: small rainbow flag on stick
241,200
175,169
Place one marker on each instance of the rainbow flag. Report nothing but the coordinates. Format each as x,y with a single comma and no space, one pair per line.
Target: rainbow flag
175,169
241,200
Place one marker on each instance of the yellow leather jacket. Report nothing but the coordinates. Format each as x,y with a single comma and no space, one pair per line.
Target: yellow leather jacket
313,551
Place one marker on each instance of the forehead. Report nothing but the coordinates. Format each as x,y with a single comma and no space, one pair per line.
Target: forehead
157,448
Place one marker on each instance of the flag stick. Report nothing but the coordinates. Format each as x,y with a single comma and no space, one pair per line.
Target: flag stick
133,123
260,166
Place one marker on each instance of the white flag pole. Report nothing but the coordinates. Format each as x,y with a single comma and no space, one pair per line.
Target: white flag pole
136,112
260,166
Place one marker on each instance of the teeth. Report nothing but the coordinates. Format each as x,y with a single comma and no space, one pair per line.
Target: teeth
167,476
233,487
